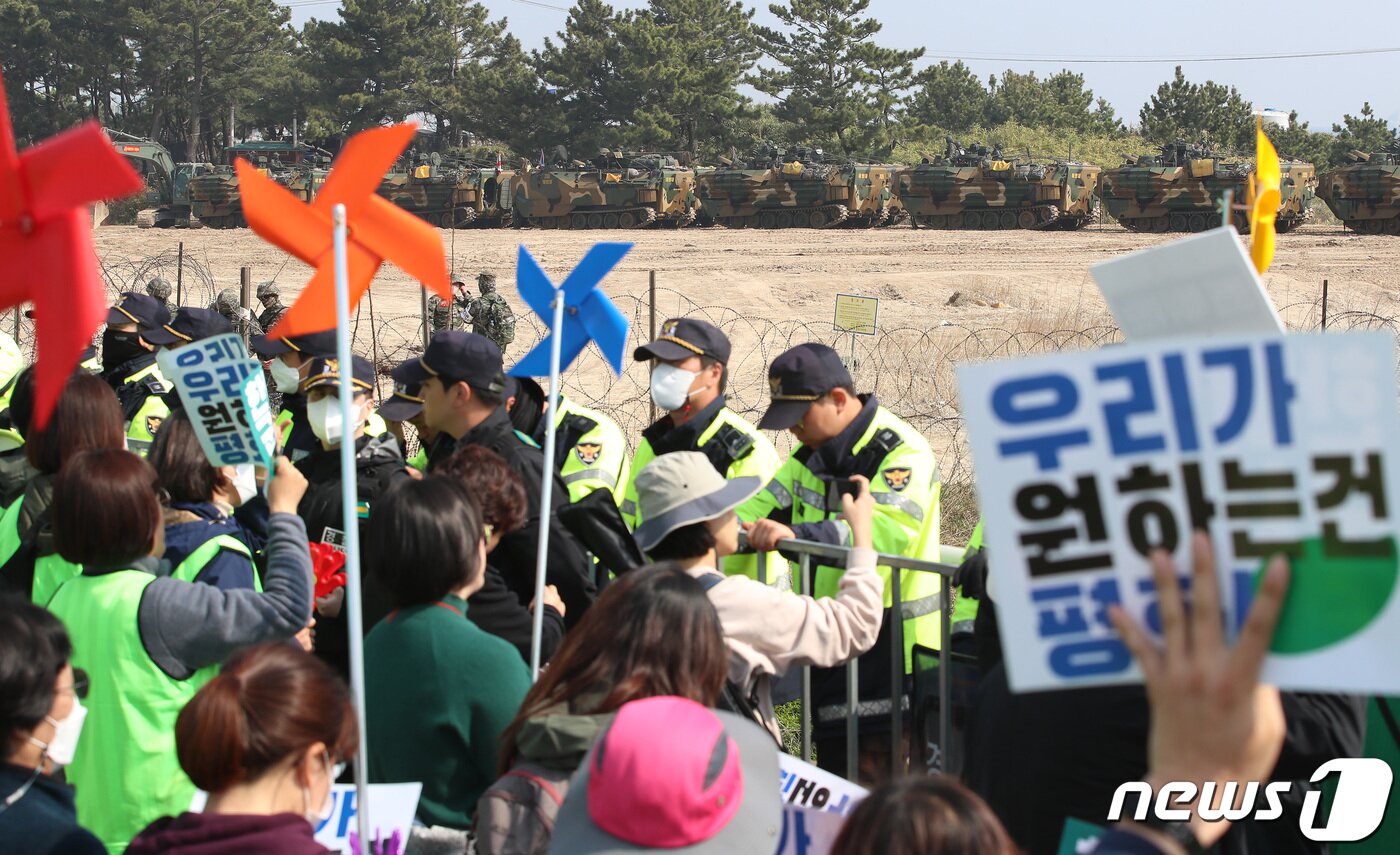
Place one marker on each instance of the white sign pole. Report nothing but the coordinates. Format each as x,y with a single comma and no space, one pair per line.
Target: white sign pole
349,498
547,482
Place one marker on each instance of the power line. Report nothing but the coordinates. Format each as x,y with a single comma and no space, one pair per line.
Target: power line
1070,60
297,4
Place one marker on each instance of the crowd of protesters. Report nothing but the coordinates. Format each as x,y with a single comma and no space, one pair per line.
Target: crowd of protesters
163,631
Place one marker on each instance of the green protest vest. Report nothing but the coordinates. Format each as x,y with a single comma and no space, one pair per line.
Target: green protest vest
50,571
125,769
906,487
194,563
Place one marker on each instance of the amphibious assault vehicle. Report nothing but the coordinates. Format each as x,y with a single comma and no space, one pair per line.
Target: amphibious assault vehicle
452,192
977,188
1181,190
215,200
618,190
797,189
1365,194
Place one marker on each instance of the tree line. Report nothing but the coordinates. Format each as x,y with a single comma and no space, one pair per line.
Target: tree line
201,74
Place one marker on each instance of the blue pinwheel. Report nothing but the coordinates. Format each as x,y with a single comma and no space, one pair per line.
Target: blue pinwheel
588,313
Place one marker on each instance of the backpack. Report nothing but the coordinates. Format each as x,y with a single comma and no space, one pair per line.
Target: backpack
516,814
497,320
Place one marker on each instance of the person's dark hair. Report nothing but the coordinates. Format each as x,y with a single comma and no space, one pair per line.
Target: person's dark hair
925,815
268,703
653,632
183,470
87,416
22,402
707,361
34,647
485,396
423,538
105,509
497,489
688,541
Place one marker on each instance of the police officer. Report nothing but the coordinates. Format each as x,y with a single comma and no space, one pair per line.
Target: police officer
405,406
462,385
590,449
688,376
271,298
161,290
289,360
129,366
841,435
490,313
230,306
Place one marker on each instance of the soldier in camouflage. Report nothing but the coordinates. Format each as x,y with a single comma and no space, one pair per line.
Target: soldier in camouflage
450,316
228,305
271,298
491,315
160,289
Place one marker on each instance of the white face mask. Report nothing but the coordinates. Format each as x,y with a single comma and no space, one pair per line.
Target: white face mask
285,377
324,415
320,817
670,386
61,747
245,482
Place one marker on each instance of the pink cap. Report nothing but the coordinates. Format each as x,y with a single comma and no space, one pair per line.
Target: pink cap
665,774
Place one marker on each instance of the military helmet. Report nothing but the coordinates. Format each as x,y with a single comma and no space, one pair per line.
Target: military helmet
227,302
159,288
486,282
268,289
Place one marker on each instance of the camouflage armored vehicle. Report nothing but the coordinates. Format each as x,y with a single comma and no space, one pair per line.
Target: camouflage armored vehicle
451,192
1181,190
796,189
169,180
302,169
616,191
978,188
1365,194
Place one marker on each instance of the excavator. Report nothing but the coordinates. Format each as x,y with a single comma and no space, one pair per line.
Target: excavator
169,179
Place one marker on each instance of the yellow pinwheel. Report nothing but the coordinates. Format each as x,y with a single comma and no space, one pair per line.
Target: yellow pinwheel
1263,208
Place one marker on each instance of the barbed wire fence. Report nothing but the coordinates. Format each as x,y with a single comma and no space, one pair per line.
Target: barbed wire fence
910,369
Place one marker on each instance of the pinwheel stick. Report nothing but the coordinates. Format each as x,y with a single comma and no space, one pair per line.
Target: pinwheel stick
349,498
547,481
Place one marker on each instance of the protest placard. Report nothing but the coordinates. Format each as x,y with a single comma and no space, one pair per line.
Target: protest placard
212,377
391,809
258,406
807,831
807,786
1087,462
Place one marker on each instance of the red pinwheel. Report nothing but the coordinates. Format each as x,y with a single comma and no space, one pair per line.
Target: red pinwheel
378,229
329,565
46,253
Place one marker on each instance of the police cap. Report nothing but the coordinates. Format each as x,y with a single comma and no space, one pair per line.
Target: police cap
407,400
798,377
141,309
312,344
456,356
189,325
681,338
325,371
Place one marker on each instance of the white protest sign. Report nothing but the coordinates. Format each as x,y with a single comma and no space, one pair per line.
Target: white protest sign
258,406
1203,284
1086,462
805,785
391,808
807,831
210,376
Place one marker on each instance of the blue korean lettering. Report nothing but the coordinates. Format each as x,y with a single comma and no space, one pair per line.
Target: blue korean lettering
1044,397
189,357
794,823
1236,358
1140,401
1281,394
1090,658
1059,610
1183,412
1104,593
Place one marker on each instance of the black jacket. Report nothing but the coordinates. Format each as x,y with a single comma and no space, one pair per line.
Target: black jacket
567,567
43,820
380,468
497,610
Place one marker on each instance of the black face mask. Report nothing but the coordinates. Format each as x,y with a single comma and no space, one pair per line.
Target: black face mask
119,348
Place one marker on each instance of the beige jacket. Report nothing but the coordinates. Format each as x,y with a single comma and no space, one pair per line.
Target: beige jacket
769,631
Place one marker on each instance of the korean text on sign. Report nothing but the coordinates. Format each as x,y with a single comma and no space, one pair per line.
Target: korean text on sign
1088,462
210,376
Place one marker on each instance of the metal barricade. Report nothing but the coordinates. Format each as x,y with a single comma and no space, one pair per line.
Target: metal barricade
835,556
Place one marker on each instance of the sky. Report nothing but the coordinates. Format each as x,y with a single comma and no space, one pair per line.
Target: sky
1041,37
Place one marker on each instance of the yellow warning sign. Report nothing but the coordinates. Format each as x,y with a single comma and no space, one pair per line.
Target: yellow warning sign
856,314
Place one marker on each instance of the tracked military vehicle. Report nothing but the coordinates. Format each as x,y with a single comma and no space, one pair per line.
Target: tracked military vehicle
978,188
215,200
451,192
1365,194
1181,190
616,191
170,180
796,189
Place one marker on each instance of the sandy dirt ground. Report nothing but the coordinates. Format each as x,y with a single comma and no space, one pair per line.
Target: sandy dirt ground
1022,292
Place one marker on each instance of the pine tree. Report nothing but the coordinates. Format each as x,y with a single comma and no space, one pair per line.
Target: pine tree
949,97
1365,133
1181,110
590,100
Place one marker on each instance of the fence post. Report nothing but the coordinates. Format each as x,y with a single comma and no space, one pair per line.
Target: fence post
16,324
897,675
804,567
180,276
651,301
1324,305
423,309
245,282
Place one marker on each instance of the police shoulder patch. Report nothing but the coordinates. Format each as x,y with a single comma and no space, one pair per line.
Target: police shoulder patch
153,424
897,478
588,452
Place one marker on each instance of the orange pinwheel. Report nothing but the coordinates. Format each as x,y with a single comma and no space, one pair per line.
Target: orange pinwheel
378,229
46,254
